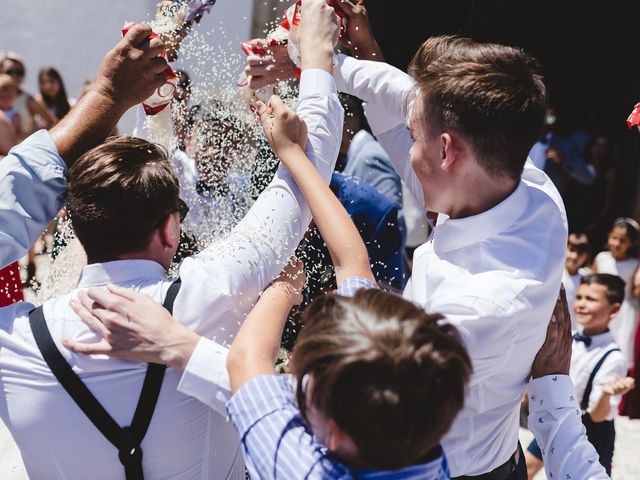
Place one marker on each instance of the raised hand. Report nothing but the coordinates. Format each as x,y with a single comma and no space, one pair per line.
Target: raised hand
358,36
619,386
269,69
132,70
319,33
554,357
283,128
133,327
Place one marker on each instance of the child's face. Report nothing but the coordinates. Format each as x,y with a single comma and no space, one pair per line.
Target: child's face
619,243
593,310
574,259
8,95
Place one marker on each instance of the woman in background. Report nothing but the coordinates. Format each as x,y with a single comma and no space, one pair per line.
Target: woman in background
53,95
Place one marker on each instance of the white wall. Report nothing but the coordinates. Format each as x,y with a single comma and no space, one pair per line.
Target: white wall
74,35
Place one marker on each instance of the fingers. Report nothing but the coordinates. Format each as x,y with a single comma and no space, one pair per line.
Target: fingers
88,317
264,113
100,348
156,47
157,66
127,293
260,81
137,35
347,7
277,105
259,70
258,61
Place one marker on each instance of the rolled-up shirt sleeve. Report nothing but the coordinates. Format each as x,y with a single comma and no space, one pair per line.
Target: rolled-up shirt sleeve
555,420
32,186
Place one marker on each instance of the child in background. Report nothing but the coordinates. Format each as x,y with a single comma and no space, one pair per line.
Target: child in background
575,262
597,366
622,260
9,119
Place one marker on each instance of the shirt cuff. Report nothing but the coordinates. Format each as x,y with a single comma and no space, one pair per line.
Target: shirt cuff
551,392
314,81
206,377
259,397
46,167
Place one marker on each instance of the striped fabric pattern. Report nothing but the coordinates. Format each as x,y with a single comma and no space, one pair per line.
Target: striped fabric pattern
276,442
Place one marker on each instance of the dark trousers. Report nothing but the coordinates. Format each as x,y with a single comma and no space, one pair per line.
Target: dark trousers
602,436
518,471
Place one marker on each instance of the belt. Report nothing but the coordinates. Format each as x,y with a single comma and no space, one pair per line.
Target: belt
498,473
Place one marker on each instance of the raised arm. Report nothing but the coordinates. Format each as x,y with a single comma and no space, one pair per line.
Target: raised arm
33,175
256,346
257,249
348,251
554,412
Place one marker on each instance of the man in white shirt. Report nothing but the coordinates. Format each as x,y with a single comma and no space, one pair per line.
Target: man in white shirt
493,264
131,243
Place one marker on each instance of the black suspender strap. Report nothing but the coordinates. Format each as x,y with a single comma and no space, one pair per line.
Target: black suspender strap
587,391
128,439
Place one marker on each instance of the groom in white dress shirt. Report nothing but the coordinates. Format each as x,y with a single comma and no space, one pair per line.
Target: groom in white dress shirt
458,130
124,205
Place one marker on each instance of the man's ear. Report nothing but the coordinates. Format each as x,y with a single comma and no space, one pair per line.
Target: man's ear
448,151
169,232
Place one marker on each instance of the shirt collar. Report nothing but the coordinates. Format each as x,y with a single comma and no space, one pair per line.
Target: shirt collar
359,140
434,469
452,234
120,272
601,340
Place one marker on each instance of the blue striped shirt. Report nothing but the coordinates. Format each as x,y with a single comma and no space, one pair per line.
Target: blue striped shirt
277,443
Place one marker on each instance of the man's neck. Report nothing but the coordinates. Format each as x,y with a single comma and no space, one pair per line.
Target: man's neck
477,195
124,256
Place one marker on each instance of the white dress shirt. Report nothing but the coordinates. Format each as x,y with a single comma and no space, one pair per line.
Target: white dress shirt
495,275
219,286
584,360
556,422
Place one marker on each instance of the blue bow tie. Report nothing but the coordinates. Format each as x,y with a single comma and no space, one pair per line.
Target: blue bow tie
581,337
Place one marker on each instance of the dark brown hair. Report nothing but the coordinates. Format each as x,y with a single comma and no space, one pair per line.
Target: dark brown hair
490,94
118,194
389,374
613,283
60,103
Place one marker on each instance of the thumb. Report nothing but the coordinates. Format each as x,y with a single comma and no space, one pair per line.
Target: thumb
276,104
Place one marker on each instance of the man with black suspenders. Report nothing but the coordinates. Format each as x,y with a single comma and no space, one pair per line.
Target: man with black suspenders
122,197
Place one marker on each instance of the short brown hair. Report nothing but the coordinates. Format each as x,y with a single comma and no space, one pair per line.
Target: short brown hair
492,95
118,194
389,374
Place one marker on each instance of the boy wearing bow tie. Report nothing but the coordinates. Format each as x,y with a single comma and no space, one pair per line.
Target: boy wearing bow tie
597,365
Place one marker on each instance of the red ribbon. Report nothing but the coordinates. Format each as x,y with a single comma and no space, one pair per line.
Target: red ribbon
634,118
